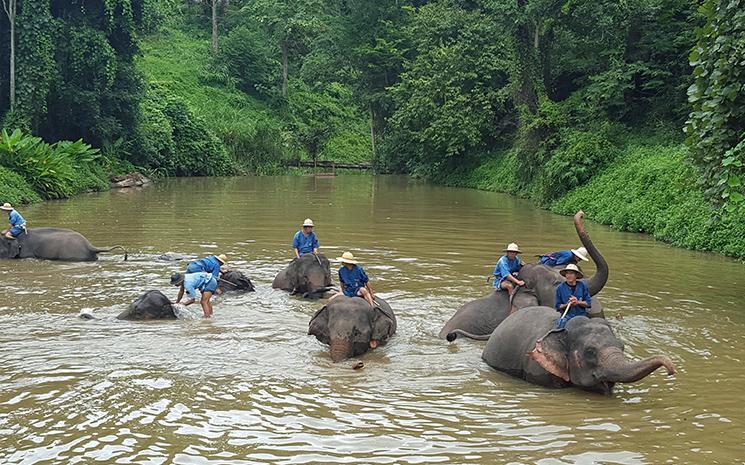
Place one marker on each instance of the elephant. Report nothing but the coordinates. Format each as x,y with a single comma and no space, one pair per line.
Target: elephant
152,305
351,327
308,275
235,281
477,319
52,244
586,354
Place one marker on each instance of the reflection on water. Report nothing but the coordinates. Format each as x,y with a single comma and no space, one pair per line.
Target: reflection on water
249,386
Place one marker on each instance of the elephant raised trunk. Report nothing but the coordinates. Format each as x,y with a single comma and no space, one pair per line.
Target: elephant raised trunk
597,281
615,368
340,349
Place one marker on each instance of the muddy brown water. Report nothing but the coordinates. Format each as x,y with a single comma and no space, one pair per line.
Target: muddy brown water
249,386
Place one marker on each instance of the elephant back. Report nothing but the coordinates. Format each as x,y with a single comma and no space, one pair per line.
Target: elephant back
152,305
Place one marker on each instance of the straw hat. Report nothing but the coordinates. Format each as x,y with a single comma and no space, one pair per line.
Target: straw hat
177,279
512,247
6,207
222,258
308,222
347,257
581,253
571,267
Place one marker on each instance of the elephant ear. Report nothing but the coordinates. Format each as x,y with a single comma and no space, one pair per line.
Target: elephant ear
383,324
550,353
319,325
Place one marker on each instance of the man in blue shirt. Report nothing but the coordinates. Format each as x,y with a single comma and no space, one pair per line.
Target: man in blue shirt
572,294
354,282
305,240
562,257
17,224
190,283
212,264
507,268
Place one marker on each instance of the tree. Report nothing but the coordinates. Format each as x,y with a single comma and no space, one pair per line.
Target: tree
11,8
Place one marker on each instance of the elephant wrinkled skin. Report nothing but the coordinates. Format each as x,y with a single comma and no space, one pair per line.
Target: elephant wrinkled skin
152,305
351,327
586,354
309,275
52,244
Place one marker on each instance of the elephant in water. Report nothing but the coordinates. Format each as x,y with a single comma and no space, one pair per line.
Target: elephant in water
586,354
52,244
477,319
309,275
152,305
351,327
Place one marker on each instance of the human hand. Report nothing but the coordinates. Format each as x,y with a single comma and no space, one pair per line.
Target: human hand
520,283
573,300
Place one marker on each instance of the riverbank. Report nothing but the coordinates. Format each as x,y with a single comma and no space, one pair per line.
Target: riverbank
648,187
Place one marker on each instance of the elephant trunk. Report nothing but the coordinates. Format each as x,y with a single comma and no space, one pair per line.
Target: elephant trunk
597,281
617,369
340,349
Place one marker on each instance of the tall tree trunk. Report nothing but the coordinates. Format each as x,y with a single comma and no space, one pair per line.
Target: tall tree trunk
214,27
372,135
10,7
284,69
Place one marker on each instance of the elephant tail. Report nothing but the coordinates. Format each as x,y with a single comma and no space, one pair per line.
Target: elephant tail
453,335
109,249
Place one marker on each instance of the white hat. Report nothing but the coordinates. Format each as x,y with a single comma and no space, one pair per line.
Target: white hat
7,207
347,257
222,258
571,267
512,247
308,222
581,253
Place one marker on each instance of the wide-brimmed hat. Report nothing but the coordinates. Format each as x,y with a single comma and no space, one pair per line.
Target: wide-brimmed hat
222,258
581,253
347,257
177,279
512,247
308,222
6,207
571,267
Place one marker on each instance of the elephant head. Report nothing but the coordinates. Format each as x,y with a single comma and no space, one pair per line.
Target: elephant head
544,279
308,275
152,305
588,355
235,281
351,327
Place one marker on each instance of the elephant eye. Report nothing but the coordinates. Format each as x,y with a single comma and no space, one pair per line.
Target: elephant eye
590,352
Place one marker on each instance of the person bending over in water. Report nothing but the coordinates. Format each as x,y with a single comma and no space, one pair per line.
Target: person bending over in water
212,264
507,268
190,283
354,280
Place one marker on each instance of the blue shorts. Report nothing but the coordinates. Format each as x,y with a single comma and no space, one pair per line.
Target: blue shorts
16,231
205,282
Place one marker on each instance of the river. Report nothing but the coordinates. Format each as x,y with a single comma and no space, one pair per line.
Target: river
249,386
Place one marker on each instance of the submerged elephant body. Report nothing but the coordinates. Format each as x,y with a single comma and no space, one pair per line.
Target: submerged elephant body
235,281
478,318
586,354
52,244
152,305
351,327
309,275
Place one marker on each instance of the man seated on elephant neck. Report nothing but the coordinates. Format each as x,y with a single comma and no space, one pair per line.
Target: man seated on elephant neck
17,224
190,282
507,269
305,240
572,293
354,280
563,257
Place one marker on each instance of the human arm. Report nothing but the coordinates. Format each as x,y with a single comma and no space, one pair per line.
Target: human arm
296,245
316,245
586,301
180,294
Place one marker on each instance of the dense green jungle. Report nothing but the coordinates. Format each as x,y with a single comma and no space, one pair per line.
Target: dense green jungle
633,111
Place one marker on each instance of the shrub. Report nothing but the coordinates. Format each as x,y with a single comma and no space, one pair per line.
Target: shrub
15,189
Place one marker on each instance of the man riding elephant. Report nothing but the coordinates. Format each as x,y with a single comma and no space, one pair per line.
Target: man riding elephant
563,257
305,240
17,224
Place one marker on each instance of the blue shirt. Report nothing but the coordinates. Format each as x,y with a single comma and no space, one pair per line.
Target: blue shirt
16,219
504,268
208,265
304,244
352,280
562,257
564,291
203,281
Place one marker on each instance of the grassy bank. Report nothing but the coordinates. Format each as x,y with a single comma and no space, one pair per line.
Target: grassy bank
647,187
